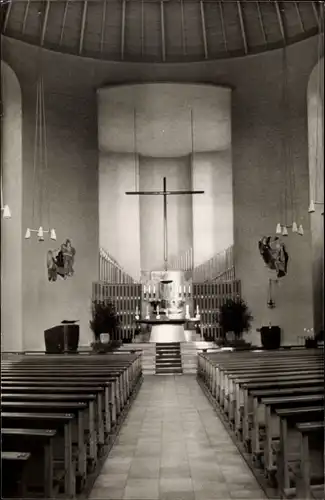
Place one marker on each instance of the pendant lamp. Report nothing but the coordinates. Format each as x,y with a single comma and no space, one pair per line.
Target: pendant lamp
288,205
40,176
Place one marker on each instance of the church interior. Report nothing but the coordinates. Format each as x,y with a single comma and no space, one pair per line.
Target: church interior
162,249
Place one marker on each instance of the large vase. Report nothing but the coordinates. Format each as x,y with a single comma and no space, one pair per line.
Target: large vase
271,337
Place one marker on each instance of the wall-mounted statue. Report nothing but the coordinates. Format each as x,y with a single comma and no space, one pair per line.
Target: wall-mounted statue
274,254
60,261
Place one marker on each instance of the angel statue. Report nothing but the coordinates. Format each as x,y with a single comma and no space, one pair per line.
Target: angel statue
274,254
60,261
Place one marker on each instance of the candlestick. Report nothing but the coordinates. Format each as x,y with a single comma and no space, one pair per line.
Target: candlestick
187,311
147,314
158,316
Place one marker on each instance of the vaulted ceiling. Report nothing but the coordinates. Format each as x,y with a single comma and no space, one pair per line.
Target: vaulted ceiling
160,30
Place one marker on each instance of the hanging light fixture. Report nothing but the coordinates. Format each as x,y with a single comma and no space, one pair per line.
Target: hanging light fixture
40,157
289,173
318,160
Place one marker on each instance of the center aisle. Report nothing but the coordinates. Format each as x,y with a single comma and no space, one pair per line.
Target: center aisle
172,446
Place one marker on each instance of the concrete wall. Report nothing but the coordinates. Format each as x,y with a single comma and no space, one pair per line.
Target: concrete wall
315,99
257,128
11,229
119,214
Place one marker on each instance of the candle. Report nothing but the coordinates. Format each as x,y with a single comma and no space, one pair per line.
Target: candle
149,289
154,289
144,289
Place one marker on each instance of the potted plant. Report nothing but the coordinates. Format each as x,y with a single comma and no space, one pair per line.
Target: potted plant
104,321
235,318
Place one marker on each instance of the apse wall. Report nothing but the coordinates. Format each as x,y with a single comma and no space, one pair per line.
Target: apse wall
161,124
179,210
257,129
119,214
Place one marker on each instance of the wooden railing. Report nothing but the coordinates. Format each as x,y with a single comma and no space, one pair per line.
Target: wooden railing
127,297
110,271
209,297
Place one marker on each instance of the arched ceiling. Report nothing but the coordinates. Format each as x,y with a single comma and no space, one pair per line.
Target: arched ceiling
160,30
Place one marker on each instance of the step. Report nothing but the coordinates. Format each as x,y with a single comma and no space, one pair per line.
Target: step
169,370
166,351
177,365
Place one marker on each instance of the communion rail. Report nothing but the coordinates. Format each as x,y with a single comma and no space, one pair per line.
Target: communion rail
110,271
128,297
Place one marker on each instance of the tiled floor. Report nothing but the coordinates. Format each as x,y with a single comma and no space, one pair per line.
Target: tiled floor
172,446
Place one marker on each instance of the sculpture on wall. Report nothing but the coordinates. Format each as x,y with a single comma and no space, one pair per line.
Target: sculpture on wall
60,262
274,254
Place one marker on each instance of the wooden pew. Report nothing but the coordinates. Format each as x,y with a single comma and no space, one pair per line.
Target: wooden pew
62,423
240,382
87,399
312,388
311,436
272,423
244,403
288,448
76,409
76,392
13,480
47,383
39,441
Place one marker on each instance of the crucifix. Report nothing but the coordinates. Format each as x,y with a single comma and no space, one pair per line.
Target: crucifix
164,193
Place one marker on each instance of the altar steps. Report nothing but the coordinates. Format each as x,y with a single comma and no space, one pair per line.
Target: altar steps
168,358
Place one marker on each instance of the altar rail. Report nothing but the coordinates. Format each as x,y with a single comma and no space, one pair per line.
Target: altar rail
127,297
110,271
208,296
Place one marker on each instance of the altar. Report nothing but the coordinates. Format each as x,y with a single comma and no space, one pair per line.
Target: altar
166,308
166,331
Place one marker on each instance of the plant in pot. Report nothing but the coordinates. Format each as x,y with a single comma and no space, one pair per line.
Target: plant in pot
104,321
234,319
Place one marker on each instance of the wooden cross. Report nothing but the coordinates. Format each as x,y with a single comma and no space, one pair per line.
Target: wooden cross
164,193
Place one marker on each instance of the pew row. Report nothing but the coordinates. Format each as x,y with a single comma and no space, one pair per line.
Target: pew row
265,399
64,414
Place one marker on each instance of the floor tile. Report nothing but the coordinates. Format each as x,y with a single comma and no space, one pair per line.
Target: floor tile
172,446
142,489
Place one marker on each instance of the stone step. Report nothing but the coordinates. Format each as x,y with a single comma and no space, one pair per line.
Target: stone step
168,370
177,365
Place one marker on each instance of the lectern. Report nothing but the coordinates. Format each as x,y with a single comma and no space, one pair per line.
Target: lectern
62,338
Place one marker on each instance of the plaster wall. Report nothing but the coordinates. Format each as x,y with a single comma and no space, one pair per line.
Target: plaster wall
315,98
119,214
11,229
213,228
